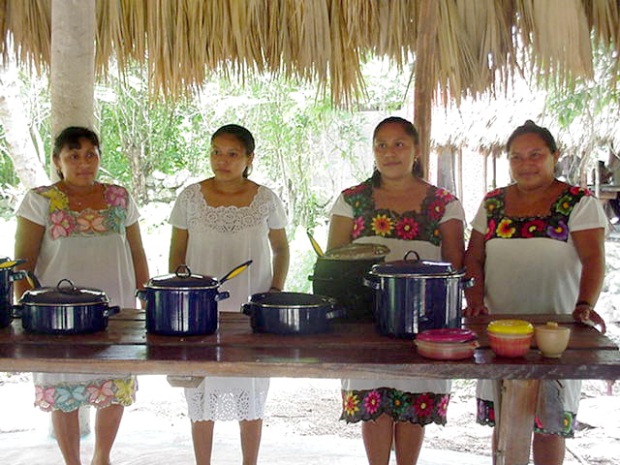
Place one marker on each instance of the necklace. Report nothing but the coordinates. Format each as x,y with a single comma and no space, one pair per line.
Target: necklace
78,196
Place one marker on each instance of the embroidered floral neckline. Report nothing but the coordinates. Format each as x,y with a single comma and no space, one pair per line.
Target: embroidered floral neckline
410,225
553,225
65,222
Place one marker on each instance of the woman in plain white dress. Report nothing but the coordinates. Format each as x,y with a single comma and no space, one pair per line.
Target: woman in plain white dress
218,224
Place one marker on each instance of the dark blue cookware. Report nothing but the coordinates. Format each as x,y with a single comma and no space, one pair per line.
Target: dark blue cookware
290,312
415,295
7,277
64,309
184,304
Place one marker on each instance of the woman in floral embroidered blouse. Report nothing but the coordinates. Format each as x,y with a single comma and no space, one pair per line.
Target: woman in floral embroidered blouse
88,232
537,246
400,210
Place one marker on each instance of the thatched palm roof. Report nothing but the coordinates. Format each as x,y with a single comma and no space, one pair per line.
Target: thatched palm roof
478,42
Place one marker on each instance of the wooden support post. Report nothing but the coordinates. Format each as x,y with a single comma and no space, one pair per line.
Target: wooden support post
518,398
425,77
72,76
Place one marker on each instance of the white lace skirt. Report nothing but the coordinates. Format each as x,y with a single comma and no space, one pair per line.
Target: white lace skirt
224,399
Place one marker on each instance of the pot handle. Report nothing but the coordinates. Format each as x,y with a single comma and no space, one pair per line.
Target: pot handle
338,312
17,275
371,284
33,281
16,311
111,311
141,294
417,256
246,309
222,295
468,282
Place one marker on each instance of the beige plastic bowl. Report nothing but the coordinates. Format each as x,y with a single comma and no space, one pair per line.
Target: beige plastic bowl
552,339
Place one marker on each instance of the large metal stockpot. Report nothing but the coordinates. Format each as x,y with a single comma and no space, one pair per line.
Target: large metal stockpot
64,309
416,295
290,312
184,304
7,277
340,273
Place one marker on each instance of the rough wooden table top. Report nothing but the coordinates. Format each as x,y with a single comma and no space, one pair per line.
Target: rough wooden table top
347,350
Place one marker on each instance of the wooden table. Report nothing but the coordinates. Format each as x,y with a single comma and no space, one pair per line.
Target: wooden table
349,350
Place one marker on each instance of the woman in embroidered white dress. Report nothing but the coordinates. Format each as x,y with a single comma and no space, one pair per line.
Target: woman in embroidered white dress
218,224
397,208
537,246
87,232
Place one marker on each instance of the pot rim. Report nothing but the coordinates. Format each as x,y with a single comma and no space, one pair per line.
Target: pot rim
454,274
291,306
148,287
65,304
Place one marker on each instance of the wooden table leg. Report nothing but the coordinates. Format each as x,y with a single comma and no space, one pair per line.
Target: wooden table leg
515,420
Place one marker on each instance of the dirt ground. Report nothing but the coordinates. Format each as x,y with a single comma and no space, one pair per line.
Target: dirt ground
300,412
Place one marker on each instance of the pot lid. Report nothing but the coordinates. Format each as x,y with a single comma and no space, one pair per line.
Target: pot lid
64,293
510,327
414,267
288,300
447,335
182,278
357,251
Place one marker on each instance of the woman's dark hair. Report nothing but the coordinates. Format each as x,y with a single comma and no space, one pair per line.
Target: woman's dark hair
530,127
411,131
242,135
71,137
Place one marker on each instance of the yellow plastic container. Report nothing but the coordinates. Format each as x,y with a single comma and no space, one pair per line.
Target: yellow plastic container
510,338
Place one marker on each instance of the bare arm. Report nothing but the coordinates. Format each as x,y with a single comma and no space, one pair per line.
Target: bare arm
281,257
178,248
28,239
590,245
475,258
140,264
340,229
452,242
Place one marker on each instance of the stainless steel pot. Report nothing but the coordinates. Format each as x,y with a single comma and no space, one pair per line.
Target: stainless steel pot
64,309
340,274
415,295
290,313
7,277
184,304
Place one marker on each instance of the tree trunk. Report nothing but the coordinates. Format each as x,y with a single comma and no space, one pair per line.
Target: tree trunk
22,151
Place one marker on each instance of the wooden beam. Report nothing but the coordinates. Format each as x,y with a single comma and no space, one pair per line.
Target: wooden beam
425,76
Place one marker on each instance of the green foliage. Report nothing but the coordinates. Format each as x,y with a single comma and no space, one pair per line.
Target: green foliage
589,98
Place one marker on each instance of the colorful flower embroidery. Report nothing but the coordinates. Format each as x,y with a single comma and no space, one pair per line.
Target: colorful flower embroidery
505,228
407,229
372,402
436,209
116,196
398,402
99,394
442,406
491,205
532,228
423,405
559,231
351,404
358,227
491,225
89,221
382,225
62,224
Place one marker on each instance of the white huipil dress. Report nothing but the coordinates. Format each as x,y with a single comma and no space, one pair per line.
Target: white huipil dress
537,275
89,248
398,249
220,238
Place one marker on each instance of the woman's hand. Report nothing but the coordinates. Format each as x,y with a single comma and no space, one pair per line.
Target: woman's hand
475,310
584,313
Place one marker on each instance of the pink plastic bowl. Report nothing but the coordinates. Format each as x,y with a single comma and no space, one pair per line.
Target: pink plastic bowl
510,345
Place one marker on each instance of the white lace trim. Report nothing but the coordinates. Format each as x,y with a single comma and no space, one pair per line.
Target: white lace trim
202,217
217,404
